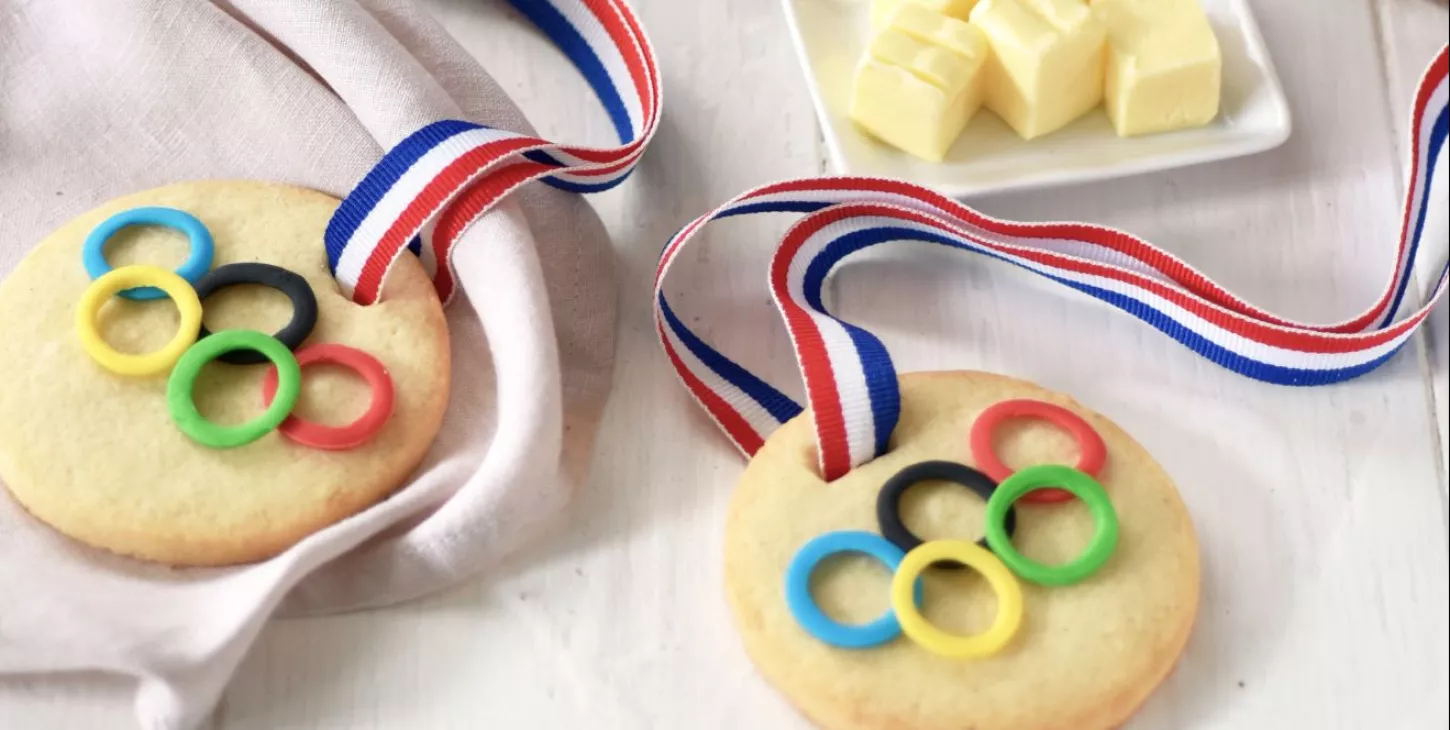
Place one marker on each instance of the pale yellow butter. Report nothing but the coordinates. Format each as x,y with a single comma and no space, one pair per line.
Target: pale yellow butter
1164,67
920,82
882,10
1047,62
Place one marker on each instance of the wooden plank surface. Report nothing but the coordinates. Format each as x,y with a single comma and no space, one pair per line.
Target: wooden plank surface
1411,31
1322,523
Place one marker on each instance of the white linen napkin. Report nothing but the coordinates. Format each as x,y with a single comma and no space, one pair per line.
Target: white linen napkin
100,98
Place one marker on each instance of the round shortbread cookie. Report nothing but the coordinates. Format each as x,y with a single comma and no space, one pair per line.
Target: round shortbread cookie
96,455
1086,655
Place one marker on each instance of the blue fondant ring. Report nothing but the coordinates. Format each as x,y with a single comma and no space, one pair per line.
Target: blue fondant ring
93,254
812,618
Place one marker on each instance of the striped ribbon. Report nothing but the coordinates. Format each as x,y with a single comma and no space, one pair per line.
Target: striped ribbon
433,185
850,381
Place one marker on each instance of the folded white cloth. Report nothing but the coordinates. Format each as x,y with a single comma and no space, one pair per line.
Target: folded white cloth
100,98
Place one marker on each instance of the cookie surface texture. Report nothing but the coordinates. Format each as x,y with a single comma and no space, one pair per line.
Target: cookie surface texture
1085,657
96,455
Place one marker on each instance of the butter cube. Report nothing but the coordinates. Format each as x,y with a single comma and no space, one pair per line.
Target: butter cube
1163,66
920,82
882,10
1047,62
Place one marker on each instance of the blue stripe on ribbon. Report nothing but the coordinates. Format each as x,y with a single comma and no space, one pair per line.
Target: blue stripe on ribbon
564,35
570,186
379,180
1276,374
750,209
881,383
543,158
776,403
1437,143
783,206
1243,365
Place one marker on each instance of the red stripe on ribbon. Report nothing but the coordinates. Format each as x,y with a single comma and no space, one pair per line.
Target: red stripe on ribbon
434,197
615,19
1264,333
832,439
468,208
735,425
604,171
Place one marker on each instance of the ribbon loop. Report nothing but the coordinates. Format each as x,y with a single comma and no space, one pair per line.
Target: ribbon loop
433,185
851,383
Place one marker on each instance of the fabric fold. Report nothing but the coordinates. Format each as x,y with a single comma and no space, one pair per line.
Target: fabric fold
101,99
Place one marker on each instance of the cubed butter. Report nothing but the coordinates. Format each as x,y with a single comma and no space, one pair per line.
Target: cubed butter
920,82
882,10
1164,68
1047,62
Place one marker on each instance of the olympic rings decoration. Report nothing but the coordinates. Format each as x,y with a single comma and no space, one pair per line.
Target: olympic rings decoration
193,345
994,556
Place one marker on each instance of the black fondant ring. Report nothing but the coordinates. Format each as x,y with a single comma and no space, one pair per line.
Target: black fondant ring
888,502
304,303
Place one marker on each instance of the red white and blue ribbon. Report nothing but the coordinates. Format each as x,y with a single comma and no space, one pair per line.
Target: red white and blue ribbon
433,185
850,381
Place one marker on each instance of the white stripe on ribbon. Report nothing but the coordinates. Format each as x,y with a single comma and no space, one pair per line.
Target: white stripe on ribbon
408,191
1418,174
1230,331
1269,354
841,351
609,54
759,418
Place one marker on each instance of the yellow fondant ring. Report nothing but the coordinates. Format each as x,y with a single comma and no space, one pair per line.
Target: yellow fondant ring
933,639
128,277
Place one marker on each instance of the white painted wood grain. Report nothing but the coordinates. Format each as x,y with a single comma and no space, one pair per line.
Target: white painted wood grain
83,702
617,621
621,622
1321,520
1411,32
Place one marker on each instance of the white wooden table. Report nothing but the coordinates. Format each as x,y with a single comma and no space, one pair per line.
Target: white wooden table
1322,512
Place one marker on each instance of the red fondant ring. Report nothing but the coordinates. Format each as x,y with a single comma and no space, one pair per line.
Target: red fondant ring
337,438
1093,452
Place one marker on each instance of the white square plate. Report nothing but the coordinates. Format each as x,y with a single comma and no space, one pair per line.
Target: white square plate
830,36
